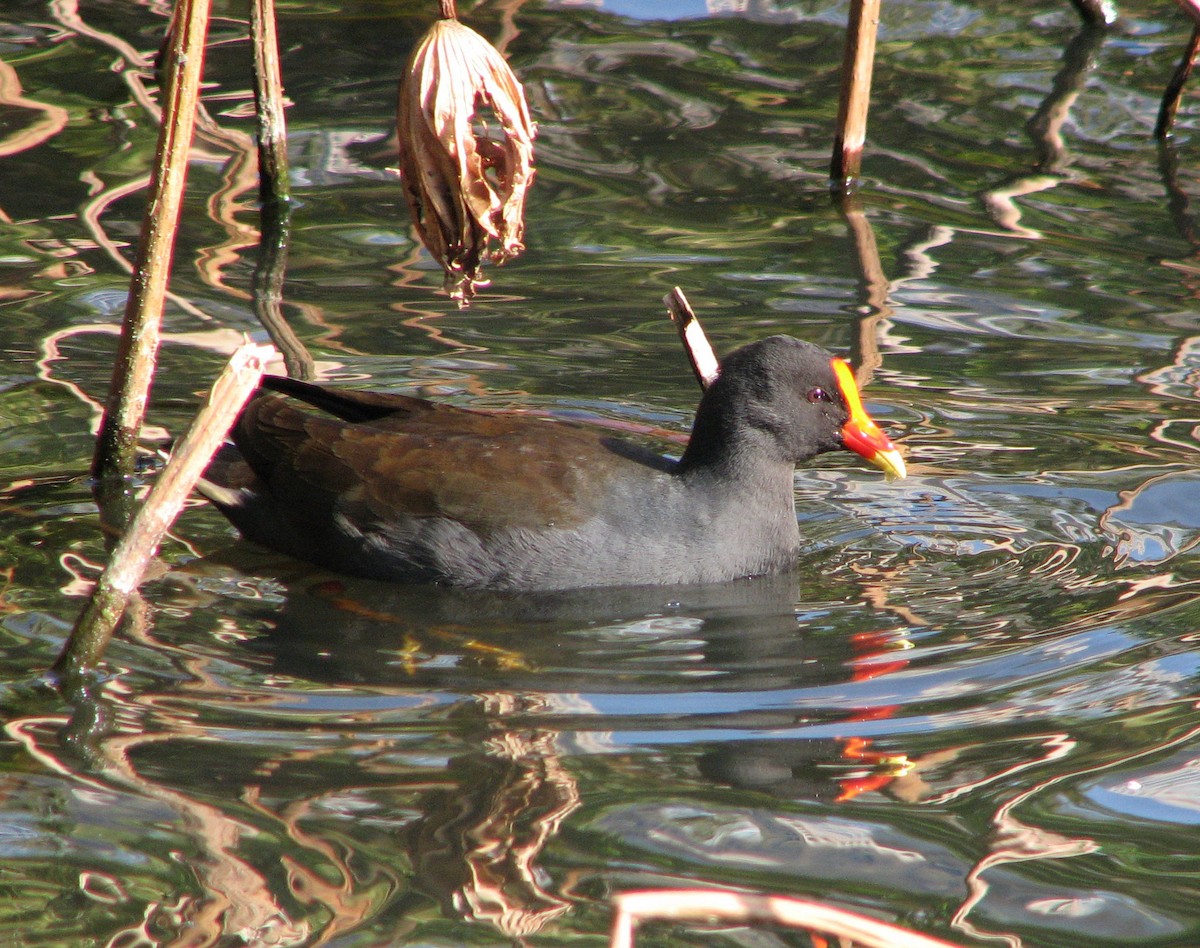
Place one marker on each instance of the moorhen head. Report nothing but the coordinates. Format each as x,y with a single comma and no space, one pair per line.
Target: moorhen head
392,487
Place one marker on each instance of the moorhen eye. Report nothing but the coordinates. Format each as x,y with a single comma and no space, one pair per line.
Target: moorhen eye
393,487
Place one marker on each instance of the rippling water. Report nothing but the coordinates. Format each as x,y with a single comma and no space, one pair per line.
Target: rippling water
972,710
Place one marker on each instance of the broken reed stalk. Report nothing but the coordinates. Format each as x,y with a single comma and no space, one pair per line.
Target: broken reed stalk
273,184
855,100
127,564
137,352
695,342
707,905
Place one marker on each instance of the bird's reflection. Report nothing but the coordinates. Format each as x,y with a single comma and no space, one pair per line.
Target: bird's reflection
518,660
466,640
524,669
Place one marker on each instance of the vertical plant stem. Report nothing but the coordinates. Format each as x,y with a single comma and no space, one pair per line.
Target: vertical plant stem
137,351
273,184
274,189
1174,91
1103,12
855,101
133,552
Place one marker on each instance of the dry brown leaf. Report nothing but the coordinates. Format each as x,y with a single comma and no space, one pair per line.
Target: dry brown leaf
465,188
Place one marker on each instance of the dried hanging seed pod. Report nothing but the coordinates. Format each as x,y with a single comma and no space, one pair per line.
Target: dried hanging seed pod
465,188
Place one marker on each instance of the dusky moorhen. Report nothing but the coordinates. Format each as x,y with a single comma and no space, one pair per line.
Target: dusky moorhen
393,487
